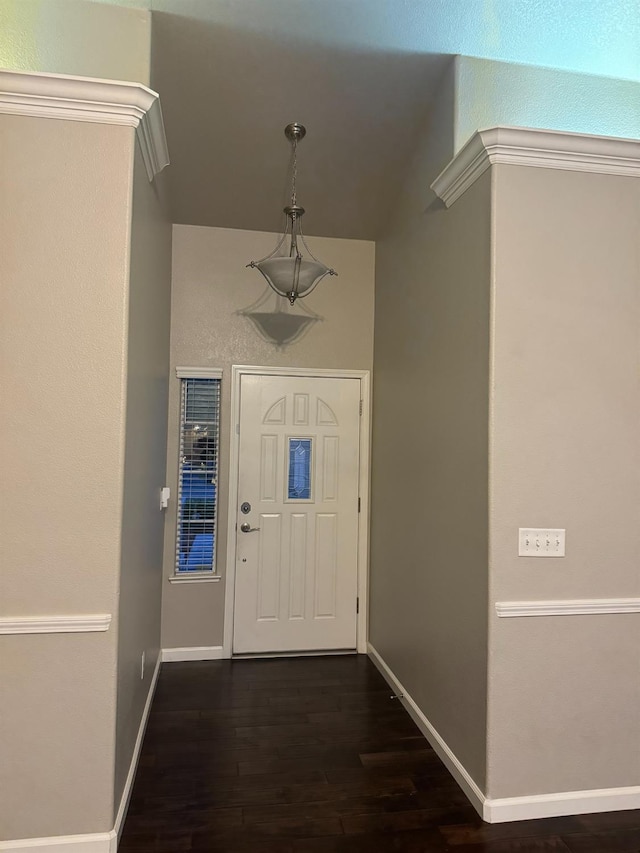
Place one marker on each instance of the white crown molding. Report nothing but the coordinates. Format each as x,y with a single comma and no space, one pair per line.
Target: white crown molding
575,607
546,149
56,624
89,99
464,170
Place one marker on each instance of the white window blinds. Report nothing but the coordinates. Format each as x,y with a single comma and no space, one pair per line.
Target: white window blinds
198,475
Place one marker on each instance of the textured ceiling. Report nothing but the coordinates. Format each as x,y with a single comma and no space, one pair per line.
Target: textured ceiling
358,73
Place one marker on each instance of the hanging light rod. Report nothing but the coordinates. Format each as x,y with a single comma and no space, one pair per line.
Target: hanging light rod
292,275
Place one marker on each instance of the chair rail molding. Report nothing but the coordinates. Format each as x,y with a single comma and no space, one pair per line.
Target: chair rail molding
568,607
63,96
82,624
546,149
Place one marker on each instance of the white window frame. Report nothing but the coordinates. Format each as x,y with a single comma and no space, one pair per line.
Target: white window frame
213,574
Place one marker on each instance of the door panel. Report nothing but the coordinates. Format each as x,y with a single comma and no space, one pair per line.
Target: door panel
269,563
296,573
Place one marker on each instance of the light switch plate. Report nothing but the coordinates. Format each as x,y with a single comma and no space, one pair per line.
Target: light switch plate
541,542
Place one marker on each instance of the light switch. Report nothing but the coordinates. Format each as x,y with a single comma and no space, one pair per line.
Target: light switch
541,542
165,494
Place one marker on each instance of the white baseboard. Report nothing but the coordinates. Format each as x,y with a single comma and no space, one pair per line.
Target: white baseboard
453,765
509,808
192,653
131,775
563,803
98,842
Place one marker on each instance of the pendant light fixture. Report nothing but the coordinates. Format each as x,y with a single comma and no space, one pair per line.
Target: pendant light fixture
286,270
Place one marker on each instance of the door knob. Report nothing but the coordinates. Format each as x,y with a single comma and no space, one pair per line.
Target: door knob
247,528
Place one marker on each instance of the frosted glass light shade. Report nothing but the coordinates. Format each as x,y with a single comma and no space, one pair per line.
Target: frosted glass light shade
289,276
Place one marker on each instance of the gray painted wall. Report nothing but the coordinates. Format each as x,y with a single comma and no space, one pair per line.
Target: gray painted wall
145,456
505,93
85,352
211,286
75,37
428,610
64,219
565,691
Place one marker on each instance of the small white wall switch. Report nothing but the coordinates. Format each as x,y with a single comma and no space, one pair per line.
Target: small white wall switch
165,494
541,542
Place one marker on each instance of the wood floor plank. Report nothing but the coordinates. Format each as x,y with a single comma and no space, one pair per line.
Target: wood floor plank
331,760
609,820
328,808
411,841
614,841
551,844
312,755
363,788
478,832
395,822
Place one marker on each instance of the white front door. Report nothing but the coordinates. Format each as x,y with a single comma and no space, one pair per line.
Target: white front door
297,514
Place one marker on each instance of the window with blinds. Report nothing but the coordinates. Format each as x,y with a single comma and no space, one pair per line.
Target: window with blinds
198,475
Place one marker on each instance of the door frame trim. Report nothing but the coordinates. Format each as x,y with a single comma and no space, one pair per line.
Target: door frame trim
364,376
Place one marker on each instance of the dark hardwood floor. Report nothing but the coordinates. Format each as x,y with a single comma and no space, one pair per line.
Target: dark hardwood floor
311,754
